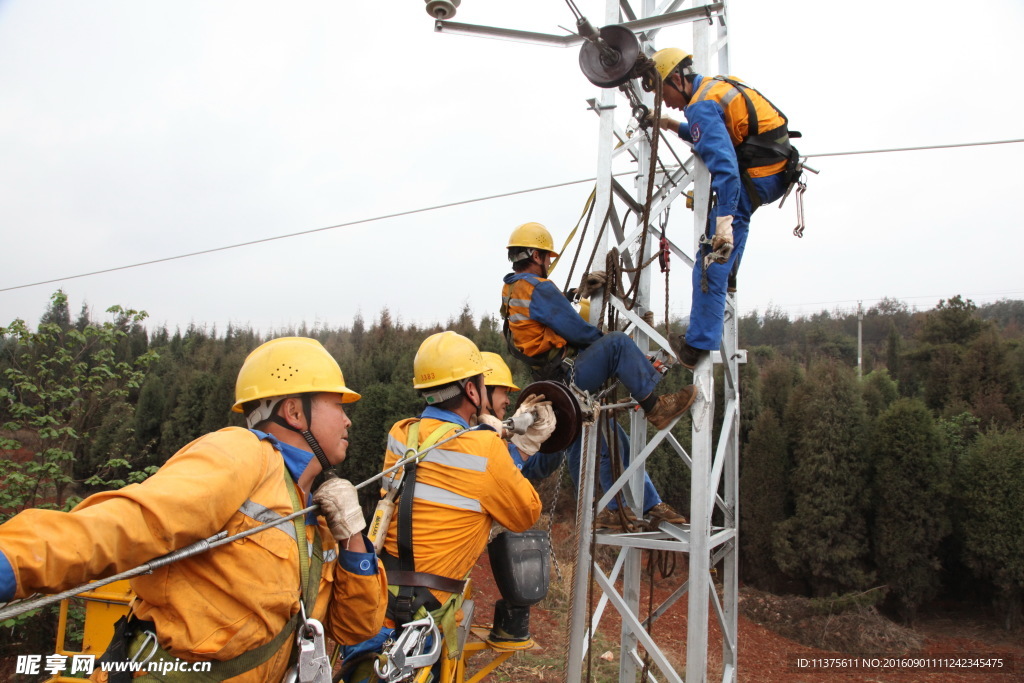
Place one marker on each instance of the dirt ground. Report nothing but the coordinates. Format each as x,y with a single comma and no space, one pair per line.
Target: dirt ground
765,655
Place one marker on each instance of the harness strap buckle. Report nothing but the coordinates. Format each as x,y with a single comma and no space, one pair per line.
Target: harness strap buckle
148,640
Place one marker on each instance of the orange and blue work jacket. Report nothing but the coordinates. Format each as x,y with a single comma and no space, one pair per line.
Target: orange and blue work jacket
461,488
541,318
717,122
215,605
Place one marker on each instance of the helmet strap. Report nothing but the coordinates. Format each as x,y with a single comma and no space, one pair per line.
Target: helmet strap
307,433
683,75
543,265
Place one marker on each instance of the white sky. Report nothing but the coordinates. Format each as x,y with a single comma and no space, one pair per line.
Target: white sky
132,131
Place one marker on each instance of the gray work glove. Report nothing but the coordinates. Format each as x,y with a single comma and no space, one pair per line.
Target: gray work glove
339,504
592,283
537,433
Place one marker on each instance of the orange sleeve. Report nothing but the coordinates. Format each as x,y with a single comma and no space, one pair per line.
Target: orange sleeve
358,601
509,497
190,498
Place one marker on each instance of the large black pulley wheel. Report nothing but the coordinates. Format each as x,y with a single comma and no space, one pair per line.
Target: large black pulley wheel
568,414
612,66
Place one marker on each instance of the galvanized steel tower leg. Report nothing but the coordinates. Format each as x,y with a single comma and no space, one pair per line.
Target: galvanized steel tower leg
712,535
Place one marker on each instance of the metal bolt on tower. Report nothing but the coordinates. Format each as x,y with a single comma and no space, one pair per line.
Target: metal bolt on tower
711,536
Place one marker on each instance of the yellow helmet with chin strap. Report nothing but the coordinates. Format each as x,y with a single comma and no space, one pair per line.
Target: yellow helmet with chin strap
668,59
498,373
284,367
532,236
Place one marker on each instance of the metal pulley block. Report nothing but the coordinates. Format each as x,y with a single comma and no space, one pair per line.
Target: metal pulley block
568,414
608,56
408,652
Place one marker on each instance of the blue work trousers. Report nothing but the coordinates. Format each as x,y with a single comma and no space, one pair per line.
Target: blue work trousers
707,312
615,355
651,497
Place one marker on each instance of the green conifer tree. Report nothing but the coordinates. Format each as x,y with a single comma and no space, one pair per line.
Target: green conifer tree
912,473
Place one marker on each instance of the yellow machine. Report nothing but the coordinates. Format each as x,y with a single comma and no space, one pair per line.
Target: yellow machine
103,607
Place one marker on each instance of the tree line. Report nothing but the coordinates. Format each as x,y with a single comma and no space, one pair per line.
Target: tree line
906,478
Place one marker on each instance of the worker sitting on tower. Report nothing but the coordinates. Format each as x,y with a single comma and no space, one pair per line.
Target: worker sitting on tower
543,330
447,501
744,141
237,605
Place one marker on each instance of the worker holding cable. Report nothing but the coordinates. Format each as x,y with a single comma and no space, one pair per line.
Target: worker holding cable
243,606
744,141
446,501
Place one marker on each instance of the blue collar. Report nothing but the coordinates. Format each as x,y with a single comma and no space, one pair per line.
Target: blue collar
515,277
435,413
295,459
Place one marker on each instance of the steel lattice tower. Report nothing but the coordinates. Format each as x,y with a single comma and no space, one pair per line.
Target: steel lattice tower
710,538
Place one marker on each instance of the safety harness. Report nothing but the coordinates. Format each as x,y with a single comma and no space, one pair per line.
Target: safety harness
135,639
763,148
409,596
551,365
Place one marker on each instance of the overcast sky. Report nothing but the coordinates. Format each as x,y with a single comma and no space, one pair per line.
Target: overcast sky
135,131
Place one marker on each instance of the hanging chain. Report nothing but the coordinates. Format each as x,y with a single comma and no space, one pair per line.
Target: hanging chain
551,515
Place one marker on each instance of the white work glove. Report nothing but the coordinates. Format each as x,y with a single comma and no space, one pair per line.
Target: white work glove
721,242
537,433
665,122
339,504
492,422
529,403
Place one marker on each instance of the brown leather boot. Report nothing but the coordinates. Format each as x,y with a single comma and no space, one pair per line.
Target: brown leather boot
671,406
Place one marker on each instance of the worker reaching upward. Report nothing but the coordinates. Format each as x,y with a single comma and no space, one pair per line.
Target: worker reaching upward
744,141
236,605
543,330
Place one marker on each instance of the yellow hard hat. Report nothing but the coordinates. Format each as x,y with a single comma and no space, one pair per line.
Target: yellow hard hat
446,357
532,236
288,366
666,60
497,373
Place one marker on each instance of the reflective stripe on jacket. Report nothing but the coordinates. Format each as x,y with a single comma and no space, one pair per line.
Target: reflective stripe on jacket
218,604
461,488
540,317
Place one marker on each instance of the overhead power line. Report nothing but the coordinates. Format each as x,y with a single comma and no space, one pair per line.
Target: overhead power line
916,149
442,206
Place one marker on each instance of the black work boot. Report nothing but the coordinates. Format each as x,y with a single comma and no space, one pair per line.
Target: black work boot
687,355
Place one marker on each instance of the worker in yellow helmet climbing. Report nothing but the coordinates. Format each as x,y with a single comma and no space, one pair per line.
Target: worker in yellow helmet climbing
744,141
544,331
448,501
237,605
